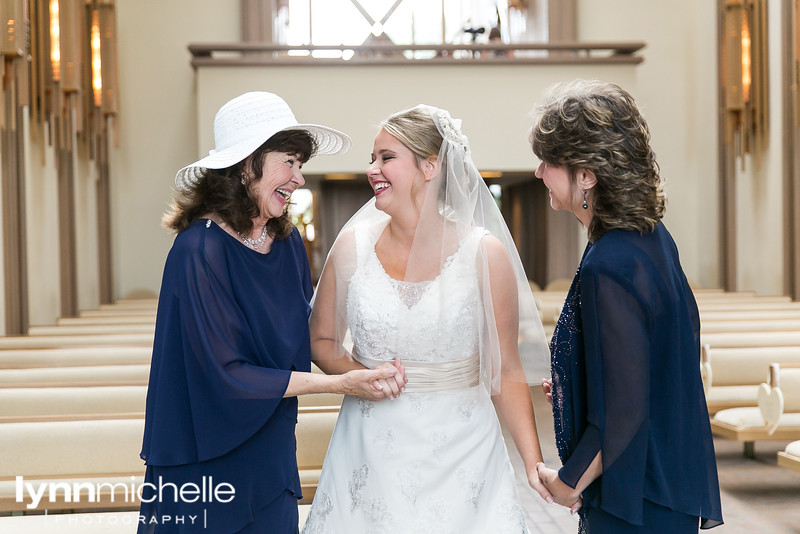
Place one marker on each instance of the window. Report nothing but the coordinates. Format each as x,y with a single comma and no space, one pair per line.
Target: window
402,22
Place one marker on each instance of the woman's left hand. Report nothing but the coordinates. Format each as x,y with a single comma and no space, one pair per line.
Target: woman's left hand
536,484
562,494
393,386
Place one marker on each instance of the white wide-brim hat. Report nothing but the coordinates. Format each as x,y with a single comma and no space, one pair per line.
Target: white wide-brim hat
245,123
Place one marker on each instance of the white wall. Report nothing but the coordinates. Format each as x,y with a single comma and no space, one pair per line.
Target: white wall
676,92
494,102
760,188
157,124
41,201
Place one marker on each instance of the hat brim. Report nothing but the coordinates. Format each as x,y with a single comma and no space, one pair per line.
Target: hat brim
327,141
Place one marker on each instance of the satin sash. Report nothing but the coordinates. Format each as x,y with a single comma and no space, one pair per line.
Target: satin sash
424,377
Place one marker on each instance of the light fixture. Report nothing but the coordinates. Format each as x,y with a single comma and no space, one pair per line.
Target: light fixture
107,25
744,65
97,78
55,41
13,37
746,60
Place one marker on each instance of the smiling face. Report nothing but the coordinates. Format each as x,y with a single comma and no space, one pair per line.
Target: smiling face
394,174
280,176
564,194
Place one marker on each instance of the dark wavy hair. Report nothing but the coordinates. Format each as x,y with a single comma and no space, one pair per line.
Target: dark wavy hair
597,126
222,191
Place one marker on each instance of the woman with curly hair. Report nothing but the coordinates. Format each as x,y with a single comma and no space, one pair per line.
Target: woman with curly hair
631,421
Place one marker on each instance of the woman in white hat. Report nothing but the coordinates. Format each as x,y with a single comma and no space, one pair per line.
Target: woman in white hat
231,349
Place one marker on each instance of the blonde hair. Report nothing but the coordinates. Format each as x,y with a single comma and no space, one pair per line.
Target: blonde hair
416,130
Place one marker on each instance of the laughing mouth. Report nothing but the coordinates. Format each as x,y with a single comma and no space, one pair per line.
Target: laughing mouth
380,186
285,193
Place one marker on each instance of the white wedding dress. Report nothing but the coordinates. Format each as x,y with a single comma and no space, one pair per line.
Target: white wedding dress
433,460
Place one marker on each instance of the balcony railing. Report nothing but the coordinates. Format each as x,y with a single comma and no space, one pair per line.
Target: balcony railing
574,53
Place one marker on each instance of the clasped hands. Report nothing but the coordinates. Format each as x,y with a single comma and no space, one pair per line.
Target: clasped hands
387,381
552,489
546,480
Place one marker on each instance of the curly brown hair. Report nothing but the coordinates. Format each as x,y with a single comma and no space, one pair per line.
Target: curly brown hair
597,126
223,191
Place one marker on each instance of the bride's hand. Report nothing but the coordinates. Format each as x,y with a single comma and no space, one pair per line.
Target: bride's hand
558,490
368,383
536,483
394,385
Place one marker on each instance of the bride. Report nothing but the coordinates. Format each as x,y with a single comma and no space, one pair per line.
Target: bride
427,274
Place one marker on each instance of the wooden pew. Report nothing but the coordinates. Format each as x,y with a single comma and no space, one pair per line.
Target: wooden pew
59,403
734,298
750,315
786,338
74,357
131,304
92,329
83,376
790,456
130,312
732,376
314,430
56,403
107,319
777,416
748,325
88,523
53,342
72,523
743,306
103,454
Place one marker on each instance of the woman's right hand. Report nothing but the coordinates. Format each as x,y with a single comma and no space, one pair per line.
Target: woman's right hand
547,387
395,385
385,381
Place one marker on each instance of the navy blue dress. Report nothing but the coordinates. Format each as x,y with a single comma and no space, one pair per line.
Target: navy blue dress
626,382
231,326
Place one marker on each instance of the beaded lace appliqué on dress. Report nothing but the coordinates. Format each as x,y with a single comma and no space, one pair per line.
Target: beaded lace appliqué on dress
390,318
565,344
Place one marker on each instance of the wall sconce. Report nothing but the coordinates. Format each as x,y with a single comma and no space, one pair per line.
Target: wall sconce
744,65
97,78
55,42
71,36
107,26
13,20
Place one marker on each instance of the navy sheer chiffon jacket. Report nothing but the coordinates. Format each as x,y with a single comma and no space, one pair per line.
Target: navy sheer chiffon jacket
231,326
626,381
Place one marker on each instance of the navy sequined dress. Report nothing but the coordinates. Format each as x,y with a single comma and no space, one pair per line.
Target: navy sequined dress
232,325
626,383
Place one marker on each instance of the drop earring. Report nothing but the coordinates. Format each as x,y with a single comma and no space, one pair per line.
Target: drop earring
584,205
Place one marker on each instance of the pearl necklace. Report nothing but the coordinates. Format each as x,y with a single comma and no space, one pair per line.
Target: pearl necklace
255,244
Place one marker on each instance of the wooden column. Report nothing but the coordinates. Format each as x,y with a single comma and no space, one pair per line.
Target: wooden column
62,145
727,171
15,282
257,20
790,36
562,18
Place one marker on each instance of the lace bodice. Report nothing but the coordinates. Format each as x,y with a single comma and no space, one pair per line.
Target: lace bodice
435,320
